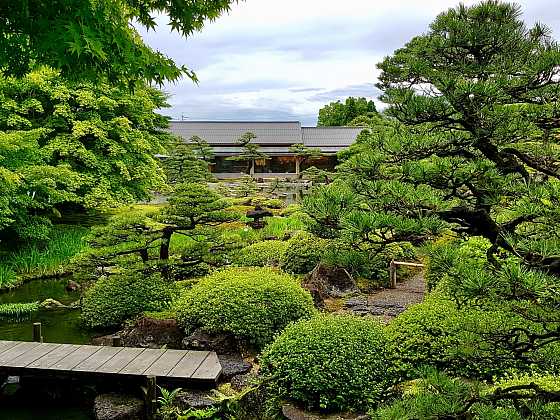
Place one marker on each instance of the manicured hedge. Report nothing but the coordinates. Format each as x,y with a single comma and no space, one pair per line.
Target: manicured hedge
303,253
261,254
330,362
112,300
252,303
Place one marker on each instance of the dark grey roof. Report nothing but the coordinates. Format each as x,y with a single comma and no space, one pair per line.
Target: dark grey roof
222,135
225,132
329,136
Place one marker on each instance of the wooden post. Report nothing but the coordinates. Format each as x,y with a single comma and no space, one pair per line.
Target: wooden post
151,397
37,336
392,275
117,341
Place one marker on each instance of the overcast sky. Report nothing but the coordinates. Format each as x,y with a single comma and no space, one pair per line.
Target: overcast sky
284,59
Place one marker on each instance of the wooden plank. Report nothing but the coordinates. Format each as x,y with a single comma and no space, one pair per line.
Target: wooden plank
165,363
144,360
5,345
92,363
73,359
210,369
409,264
32,355
54,356
188,364
122,359
16,351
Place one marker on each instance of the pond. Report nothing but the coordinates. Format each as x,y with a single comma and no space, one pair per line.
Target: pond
58,326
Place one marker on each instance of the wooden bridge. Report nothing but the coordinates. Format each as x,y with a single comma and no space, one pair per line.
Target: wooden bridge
184,366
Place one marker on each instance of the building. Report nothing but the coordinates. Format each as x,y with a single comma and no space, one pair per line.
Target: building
274,139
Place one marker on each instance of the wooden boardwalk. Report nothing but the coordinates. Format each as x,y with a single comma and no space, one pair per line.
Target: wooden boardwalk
184,365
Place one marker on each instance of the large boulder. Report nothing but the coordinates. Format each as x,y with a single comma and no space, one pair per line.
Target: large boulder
194,398
118,407
292,412
220,343
233,365
329,282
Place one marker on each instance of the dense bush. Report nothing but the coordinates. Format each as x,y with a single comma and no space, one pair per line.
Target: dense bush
112,300
251,303
330,363
460,341
261,254
303,253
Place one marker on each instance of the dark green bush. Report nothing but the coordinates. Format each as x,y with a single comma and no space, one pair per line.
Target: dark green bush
460,341
251,303
261,254
303,253
330,363
112,300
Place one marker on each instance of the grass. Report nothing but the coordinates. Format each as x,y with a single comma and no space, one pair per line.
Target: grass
18,311
50,259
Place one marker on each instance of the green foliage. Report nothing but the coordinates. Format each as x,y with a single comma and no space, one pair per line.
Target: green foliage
184,165
303,154
114,299
332,363
261,254
95,39
201,148
468,341
17,311
303,253
250,151
74,144
344,113
251,303
42,258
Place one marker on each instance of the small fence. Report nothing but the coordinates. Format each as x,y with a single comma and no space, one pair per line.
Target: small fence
393,271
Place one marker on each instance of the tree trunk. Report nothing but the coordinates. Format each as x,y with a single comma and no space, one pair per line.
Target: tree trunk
297,167
164,247
252,170
144,255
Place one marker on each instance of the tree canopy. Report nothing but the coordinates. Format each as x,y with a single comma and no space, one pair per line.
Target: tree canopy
92,38
344,113
75,143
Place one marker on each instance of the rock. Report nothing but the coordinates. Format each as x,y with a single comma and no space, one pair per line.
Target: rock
360,306
232,365
329,282
72,286
149,333
240,382
51,304
220,343
291,412
193,398
118,407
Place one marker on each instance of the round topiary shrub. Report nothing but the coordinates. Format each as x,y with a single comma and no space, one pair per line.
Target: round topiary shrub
261,254
331,363
112,300
303,253
251,303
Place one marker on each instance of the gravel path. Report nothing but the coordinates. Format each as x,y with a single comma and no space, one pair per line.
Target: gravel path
388,303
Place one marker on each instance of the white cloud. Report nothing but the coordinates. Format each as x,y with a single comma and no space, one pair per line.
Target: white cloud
261,59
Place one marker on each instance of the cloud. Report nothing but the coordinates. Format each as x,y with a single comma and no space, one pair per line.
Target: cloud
270,60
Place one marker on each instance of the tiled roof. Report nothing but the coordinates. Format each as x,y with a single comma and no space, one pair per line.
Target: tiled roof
216,133
223,135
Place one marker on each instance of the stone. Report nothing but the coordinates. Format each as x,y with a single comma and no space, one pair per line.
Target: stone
240,382
72,286
118,407
194,398
232,365
50,304
329,282
292,412
220,343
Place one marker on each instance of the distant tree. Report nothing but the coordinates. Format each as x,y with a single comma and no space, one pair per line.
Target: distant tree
250,153
303,154
97,39
343,113
183,165
201,148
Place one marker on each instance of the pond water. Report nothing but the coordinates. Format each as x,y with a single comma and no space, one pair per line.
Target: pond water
58,326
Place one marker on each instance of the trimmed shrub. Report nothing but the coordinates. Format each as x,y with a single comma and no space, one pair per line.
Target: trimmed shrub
461,341
303,253
112,300
261,254
330,362
251,303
